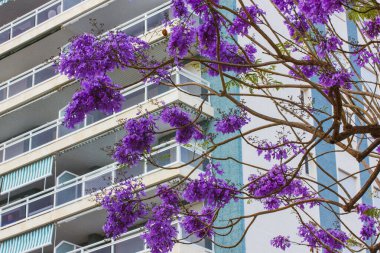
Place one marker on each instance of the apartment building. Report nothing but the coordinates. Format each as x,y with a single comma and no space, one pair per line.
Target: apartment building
50,173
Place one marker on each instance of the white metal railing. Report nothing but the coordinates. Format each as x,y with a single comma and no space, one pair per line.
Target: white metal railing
26,80
166,154
35,17
55,130
22,82
132,240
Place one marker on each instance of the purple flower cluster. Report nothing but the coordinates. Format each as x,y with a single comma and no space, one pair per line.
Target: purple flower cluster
88,57
370,225
177,118
181,39
160,233
372,28
199,223
339,78
327,45
139,139
98,94
214,191
179,8
278,151
232,122
330,240
276,184
281,242
124,207
242,22
319,11
364,57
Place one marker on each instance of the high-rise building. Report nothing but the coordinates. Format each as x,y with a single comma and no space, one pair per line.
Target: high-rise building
50,174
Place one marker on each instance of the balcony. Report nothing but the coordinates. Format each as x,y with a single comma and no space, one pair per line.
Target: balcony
55,130
141,25
35,18
132,243
168,154
42,41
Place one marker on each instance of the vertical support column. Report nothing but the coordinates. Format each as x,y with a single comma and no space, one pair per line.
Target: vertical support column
232,171
364,175
326,160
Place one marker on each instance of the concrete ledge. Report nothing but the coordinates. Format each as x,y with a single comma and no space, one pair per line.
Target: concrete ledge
101,127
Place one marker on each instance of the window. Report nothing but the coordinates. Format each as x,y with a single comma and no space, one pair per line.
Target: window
348,182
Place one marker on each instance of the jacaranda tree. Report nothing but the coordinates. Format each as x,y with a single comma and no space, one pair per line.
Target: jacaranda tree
244,51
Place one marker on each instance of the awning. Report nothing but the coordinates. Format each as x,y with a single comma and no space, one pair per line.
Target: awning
27,175
32,240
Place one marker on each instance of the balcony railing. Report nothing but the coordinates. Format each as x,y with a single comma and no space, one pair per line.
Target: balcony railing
167,154
35,18
55,130
132,243
138,26
26,80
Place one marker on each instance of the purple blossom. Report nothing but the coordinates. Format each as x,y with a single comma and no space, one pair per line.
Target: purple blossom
199,224
99,94
364,57
232,122
339,78
177,118
278,151
327,45
372,28
242,22
319,11
181,39
370,225
160,232
123,206
275,184
331,240
215,191
179,8
139,139
281,242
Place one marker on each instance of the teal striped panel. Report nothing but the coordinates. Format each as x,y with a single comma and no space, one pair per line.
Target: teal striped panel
27,174
33,240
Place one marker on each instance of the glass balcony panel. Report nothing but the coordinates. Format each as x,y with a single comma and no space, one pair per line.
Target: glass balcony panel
44,74
40,205
162,159
5,35
62,130
68,194
123,174
14,215
155,90
67,4
20,85
136,29
102,250
23,26
49,13
98,183
188,156
134,98
17,149
193,89
94,116
158,19
130,246
3,93
44,137
1,155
